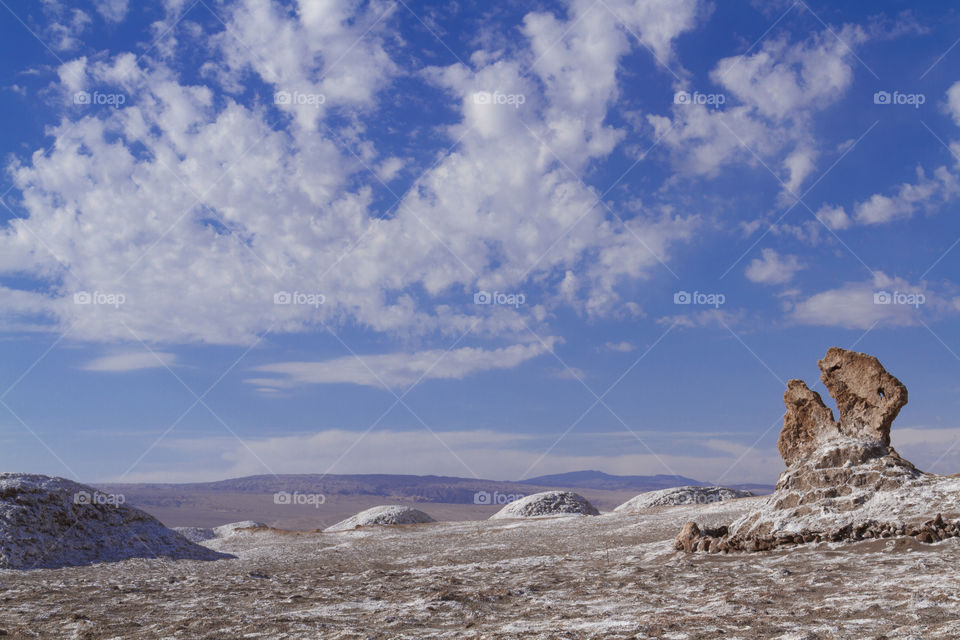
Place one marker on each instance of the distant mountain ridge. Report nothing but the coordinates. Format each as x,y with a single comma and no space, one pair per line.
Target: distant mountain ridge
429,488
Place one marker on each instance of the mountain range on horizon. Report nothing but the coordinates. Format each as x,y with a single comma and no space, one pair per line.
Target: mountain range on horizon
428,488
446,497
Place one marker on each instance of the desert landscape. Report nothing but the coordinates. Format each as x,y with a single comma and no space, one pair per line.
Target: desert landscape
476,319
608,576
845,546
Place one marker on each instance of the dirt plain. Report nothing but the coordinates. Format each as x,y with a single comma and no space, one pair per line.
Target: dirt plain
611,576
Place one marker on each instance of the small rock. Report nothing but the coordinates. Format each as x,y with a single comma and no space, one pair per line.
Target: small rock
687,537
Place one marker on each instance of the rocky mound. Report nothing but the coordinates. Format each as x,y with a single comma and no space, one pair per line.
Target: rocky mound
196,534
547,503
681,496
226,530
384,515
52,522
201,534
843,479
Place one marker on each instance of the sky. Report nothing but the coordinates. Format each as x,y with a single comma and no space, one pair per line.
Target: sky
493,240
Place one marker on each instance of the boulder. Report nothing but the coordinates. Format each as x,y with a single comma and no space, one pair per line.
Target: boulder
688,537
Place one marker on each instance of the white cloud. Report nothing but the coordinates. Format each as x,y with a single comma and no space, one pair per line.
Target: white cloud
770,98
953,102
924,195
718,318
116,200
398,369
132,361
64,25
834,217
112,10
799,164
784,81
909,198
772,268
572,373
622,347
854,305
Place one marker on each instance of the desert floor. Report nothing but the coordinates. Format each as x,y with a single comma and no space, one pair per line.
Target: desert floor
612,576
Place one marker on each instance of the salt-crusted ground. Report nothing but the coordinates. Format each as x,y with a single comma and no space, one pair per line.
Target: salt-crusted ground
681,495
612,576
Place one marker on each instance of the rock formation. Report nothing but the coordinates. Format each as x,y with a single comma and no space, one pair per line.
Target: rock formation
383,515
843,479
681,496
547,503
201,534
52,522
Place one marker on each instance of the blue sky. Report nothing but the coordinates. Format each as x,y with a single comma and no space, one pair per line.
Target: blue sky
467,239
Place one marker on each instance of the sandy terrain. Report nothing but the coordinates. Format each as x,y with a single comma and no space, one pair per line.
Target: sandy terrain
611,576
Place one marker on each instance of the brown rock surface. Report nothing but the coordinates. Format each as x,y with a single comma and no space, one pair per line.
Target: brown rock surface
687,537
843,479
868,398
807,422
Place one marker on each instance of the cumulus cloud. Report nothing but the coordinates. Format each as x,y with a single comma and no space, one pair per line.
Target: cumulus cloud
772,268
799,164
890,301
785,80
770,97
925,194
192,203
65,27
398,369
112,10
834,217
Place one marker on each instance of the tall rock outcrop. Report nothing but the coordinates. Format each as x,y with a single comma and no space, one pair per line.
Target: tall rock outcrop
843,479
